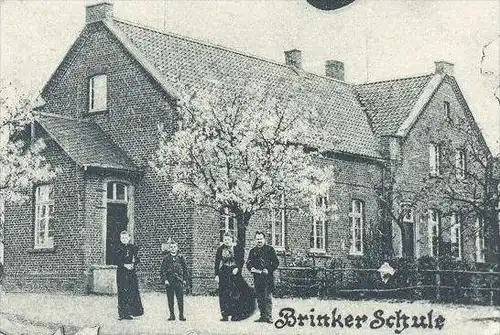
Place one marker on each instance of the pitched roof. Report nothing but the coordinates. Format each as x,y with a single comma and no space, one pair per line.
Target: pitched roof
182,62
389,103
85,143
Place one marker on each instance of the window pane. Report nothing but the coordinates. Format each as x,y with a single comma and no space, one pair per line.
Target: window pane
98,92
110,190
120,192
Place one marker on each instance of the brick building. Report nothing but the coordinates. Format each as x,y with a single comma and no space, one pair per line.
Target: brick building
99,120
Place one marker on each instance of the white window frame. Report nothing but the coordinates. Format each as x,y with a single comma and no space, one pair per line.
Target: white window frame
456,234
43,205
410,218
433,225
357,230
480,241
279,209
319,242
114,197
460,163
435,159
98,93
229,220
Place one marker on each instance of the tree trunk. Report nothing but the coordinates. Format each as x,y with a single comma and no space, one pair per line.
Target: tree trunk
242,219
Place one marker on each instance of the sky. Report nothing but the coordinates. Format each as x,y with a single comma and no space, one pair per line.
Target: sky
376,39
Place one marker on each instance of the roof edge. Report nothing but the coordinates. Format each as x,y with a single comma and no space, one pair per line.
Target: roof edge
141,59
425,96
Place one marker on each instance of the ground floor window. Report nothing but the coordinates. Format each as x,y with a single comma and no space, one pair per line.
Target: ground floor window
434,221
357,216
228,225
480,243
456,236
278,223
318,226
44,220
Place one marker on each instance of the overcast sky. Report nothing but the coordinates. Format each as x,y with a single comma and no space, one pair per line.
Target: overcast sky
376,39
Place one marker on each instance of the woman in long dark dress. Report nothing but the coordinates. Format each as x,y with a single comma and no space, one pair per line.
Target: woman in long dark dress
129,300
236,298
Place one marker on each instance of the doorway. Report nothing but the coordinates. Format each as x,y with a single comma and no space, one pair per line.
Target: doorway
116,222
117,217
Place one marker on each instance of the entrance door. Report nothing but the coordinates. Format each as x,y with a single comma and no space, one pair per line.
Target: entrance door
408,239
116,222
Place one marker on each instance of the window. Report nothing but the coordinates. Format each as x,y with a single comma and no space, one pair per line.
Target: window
447,110
318,227
98,93
434,222
44,211
480,243
278,223
460,163
456,236
117,192
228,225
357,222
409,236
434,159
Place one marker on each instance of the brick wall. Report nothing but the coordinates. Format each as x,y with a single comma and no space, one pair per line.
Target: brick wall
60,269
432,127
356,179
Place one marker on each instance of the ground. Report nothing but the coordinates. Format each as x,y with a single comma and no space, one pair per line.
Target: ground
23,313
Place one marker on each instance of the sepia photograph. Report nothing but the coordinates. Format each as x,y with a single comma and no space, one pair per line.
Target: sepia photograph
249,167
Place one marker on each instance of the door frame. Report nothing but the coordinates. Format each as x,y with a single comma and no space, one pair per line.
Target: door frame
130,211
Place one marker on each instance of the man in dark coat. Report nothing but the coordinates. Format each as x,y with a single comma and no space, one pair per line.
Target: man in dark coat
129,300
262,262
174,274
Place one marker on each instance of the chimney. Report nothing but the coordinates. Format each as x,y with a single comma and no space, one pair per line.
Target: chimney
101,10
334,69
443,67
294,58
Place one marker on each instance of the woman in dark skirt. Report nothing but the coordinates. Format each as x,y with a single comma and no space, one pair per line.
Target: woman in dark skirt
129,300
236,298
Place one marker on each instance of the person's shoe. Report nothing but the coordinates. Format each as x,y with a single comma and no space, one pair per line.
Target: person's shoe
126,317
268,321
259,320
224,318
182,318
171,318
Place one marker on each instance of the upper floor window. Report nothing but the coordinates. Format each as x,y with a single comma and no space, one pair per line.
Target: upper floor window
228,225
480,243
434,159
278,222
357,216
318,227
460,163
98,93
44,211
456,236
434,222
447,110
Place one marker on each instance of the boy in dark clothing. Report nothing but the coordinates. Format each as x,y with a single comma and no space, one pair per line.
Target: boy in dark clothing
174,274
262,262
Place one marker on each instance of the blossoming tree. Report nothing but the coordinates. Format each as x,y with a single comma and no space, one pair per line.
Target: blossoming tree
239,146
21,162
